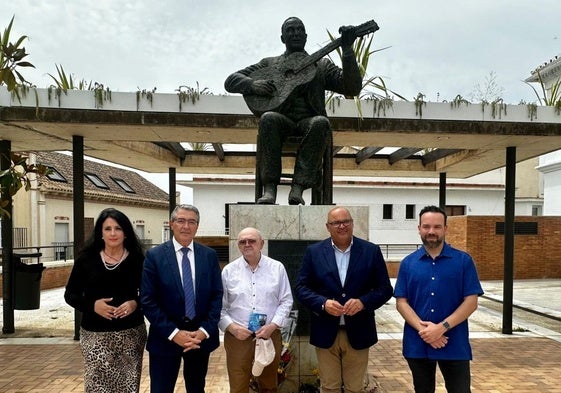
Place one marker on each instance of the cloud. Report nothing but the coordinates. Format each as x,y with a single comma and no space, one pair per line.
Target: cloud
436,47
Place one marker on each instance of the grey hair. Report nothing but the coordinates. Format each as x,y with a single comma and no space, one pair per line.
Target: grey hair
185,207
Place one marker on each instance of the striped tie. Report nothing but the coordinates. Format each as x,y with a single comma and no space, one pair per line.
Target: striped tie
188,284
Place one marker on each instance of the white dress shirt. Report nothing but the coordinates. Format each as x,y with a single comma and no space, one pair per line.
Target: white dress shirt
179,256
265,290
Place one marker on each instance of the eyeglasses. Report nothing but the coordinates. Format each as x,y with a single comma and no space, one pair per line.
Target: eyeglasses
342,223
247,241
182,221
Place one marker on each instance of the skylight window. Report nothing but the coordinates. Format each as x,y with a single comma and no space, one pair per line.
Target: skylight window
96,180
124,185
55,175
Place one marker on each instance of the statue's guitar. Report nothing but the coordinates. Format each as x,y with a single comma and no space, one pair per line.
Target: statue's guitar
296,70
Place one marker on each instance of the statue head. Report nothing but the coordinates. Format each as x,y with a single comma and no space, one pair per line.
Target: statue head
293,34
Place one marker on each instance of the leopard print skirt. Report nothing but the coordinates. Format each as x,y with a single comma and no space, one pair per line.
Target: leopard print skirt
113,360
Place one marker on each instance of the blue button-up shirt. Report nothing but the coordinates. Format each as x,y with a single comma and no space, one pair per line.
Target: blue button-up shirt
435,288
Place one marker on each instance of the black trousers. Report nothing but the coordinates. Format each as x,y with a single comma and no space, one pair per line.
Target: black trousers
165,368
456,375
164,371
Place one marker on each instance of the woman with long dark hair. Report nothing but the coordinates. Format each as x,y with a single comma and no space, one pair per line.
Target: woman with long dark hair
104,285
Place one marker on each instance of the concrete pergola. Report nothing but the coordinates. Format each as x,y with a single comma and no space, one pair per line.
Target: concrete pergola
145,132
467,139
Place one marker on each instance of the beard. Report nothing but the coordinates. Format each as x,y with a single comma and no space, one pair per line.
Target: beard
432,241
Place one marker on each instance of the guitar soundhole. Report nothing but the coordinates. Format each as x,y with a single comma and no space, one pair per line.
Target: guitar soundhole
289,74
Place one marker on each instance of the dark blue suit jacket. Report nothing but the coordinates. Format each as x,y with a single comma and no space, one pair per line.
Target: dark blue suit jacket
163,299
367,279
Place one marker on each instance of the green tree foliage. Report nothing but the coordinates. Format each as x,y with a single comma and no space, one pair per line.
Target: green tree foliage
11,59
15,177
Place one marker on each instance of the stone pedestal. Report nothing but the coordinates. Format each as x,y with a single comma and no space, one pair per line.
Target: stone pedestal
284,222
287,231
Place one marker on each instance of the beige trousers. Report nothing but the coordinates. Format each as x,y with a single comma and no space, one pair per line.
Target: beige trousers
341,365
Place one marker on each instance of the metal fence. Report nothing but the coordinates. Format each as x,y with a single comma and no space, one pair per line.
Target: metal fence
396,252
62,251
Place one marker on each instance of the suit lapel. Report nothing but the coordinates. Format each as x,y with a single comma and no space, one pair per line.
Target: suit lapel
171,261
198,266
354,264
330,262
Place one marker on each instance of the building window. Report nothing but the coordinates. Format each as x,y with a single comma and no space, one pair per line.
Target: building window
96,180
166,233
455,210
124,185
388,212
61,244
536,210
139,229
55,175
409,212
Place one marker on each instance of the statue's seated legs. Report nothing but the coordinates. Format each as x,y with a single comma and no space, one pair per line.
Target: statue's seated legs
313,136
315,132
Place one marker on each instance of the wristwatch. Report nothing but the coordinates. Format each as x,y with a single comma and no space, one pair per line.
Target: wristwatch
446,325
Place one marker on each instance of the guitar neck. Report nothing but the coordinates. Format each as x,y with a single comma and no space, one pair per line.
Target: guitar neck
314,57
361,30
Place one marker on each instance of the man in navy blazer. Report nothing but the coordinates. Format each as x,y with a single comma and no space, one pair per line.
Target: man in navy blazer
173,335
342,281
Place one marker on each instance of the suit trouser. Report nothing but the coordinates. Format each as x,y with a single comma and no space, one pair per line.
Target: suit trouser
164,370
342,365
239,361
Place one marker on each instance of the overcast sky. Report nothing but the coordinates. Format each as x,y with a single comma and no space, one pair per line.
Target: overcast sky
440,48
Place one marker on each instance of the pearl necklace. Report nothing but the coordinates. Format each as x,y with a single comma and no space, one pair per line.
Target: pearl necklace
111,266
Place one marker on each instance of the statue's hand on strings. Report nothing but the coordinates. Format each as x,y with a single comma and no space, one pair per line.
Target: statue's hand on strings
263,87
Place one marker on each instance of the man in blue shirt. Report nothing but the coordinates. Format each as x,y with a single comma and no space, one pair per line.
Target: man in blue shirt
436,291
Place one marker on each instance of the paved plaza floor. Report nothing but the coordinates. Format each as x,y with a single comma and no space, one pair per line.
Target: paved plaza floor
41,355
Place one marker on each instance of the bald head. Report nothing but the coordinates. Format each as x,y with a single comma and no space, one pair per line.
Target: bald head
250,244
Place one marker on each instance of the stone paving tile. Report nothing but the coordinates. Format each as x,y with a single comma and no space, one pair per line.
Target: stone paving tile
515,364
43,357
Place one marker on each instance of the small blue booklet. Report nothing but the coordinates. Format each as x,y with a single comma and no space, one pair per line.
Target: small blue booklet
256,320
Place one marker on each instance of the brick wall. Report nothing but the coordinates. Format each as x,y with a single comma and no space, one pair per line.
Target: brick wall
53,277
393,268
535,256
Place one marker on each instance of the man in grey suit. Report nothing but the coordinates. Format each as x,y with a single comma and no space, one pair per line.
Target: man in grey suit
181,296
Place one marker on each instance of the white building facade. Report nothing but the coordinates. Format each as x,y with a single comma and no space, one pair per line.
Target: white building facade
550,164
394,203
